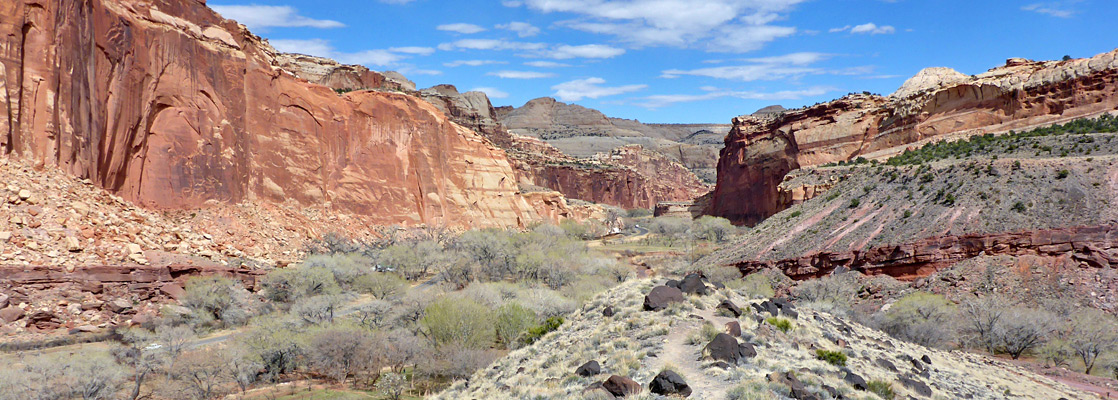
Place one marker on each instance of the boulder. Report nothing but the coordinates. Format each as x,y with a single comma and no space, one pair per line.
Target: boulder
44,320
620,386
608,311
173,289
693,284
11,314
855,381
796,389
668,383
672,283
916,385
119,306
92,305
926,359
4,300
660,297
730,307
725,348
590,368
733,328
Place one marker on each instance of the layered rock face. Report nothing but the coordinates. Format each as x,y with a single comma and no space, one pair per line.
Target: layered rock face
937,104
627,177
171,106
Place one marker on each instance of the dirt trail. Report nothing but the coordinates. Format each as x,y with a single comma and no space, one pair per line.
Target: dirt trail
685,358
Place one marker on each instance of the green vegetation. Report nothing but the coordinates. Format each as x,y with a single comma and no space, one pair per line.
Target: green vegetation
1061,174
537,332
882,389
836,358
780,323
986,144
854,203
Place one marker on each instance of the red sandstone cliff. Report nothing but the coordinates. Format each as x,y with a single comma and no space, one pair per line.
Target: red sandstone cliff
171,106
935,105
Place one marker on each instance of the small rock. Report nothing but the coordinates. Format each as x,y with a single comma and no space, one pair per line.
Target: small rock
855,381
917,386
5,236
668,383
693,284
4,300
133,248
73,245
92,305
24,194
172,289
589,369
608,311
621,386
926,359
86,328
11,314
119,305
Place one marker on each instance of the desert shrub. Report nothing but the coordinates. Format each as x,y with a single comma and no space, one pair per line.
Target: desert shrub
707,332
392,385
382,285
587,230
779,323
413,260
721,273
81,375
535,333
922,318
216,301
275,344
714,229
882,389
198,374
546,303
754,286
638,213
512,320
491,249
459,323
854,203
832,290
318,309
1056,353
836,358
345,268
1063,173
341,352
290,284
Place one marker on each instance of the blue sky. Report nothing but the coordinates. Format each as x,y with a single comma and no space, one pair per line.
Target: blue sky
678,61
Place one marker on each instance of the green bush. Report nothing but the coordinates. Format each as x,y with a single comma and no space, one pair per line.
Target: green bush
882,389
836,358
854,203
458,322
537,332
1063,173
513,320
1018,207
780,323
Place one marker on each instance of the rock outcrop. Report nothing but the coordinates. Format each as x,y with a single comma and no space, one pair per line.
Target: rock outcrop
170,106
935,105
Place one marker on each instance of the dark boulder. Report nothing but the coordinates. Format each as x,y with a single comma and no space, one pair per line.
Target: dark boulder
669,383
916,385
620,386
660,297
693,284
730,307
733,328
926,359
44,320
589,369
856,381
883,363
672,283
725,348
11,314
608,311
796,389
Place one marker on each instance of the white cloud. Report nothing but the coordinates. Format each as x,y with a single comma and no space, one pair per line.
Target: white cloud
563,52
472,63
419,51
716,25
521,74
376,57
490,44
869,27
590,88
522,29
546,64
1055,9
659,101
461,28
261,17
788,66
493,93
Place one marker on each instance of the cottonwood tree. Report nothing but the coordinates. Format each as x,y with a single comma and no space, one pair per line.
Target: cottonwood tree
1022,329
1093,333
981,316
136,354
512,320
243,366
922,318
201,373
457,322
342,352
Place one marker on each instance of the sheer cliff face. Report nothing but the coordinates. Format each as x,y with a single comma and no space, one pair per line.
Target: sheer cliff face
170,106
1022,94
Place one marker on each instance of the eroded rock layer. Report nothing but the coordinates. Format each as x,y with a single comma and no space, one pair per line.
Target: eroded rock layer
935,105
171,106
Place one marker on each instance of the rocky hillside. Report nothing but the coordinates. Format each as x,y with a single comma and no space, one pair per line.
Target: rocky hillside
170,106
582,132
712,343
1049,197
936,104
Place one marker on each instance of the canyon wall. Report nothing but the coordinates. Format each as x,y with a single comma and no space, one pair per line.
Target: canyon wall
937,104
170,106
